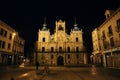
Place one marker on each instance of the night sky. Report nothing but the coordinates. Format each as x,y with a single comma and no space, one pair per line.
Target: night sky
27,16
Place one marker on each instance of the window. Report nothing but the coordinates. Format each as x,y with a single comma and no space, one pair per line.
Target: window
110,30
68,49
60,27
108,15
103,35
68,56
10,37
52,49
5,33
2,44
52,56
77,49
112,42
105,43
43,49
60,49
76,39
118,24
99,47
43,39
9,45
1,31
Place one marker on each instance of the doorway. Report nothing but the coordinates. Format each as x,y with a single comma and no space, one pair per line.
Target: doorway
60,61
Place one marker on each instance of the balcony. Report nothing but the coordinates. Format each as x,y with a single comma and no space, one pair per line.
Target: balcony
103,37
107,46
117,43
56,51
117,28
109,34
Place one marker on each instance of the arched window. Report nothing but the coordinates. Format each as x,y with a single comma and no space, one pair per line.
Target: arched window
76,39
60,27
68,49
43,39
52,49
52,56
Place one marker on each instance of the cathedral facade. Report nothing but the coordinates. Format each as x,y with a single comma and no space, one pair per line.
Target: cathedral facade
60,48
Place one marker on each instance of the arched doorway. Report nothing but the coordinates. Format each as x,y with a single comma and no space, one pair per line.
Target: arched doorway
60,61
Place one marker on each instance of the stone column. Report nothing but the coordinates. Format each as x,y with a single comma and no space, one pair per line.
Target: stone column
104,60
12,59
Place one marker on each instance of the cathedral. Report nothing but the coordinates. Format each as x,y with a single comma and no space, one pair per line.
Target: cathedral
60,48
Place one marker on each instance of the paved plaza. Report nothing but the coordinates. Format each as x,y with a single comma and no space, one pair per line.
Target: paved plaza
81,73
60,73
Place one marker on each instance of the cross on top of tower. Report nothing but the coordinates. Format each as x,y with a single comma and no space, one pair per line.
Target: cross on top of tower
75,24
44,24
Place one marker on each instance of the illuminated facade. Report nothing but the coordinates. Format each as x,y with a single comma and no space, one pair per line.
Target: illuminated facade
11,45
96,46
107,44
60,48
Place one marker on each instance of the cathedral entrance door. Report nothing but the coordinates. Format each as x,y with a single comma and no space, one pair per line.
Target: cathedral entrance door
60,61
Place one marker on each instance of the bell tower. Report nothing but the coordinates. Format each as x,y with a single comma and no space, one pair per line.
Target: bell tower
60,26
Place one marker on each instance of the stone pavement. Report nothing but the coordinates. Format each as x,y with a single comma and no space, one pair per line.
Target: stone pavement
8,72
59,73
80,73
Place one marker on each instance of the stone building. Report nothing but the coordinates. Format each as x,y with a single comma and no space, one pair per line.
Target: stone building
60,48
11,45
106,40
96,47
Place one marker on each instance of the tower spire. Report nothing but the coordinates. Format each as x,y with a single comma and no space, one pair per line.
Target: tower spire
44,24
75,24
